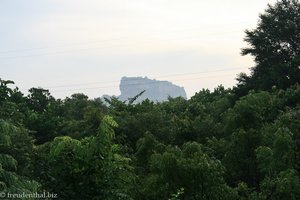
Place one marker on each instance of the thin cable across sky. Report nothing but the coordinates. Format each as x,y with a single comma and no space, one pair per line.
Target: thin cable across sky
127,38
83,45
170,77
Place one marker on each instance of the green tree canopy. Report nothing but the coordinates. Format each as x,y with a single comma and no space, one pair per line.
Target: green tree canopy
275,46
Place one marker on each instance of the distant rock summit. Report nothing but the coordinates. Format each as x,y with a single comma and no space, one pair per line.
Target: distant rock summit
154,90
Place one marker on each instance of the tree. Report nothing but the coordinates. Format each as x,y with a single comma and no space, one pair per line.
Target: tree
11,179
10,101
275,45
279,156
187,169
5,91
284,186
90,168
38,99
75,106
250,111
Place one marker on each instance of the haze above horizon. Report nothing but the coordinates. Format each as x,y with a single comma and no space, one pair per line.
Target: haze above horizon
71,46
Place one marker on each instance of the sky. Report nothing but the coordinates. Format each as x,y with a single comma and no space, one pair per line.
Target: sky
86,46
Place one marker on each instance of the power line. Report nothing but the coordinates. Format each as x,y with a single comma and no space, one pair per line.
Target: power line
100,47
156,76
134,84
164,76
115,39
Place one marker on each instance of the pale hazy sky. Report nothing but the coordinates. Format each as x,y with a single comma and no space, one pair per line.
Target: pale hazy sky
86,46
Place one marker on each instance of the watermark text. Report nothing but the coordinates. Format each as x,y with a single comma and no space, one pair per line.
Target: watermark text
23,195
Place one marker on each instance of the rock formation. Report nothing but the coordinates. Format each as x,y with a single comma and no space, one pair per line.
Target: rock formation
155,90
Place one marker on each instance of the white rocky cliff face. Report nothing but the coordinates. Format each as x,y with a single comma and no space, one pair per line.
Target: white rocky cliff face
155,90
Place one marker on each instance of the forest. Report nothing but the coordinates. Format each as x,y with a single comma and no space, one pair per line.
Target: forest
236,143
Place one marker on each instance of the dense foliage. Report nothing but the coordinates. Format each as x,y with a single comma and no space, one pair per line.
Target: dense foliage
275,46
239,143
